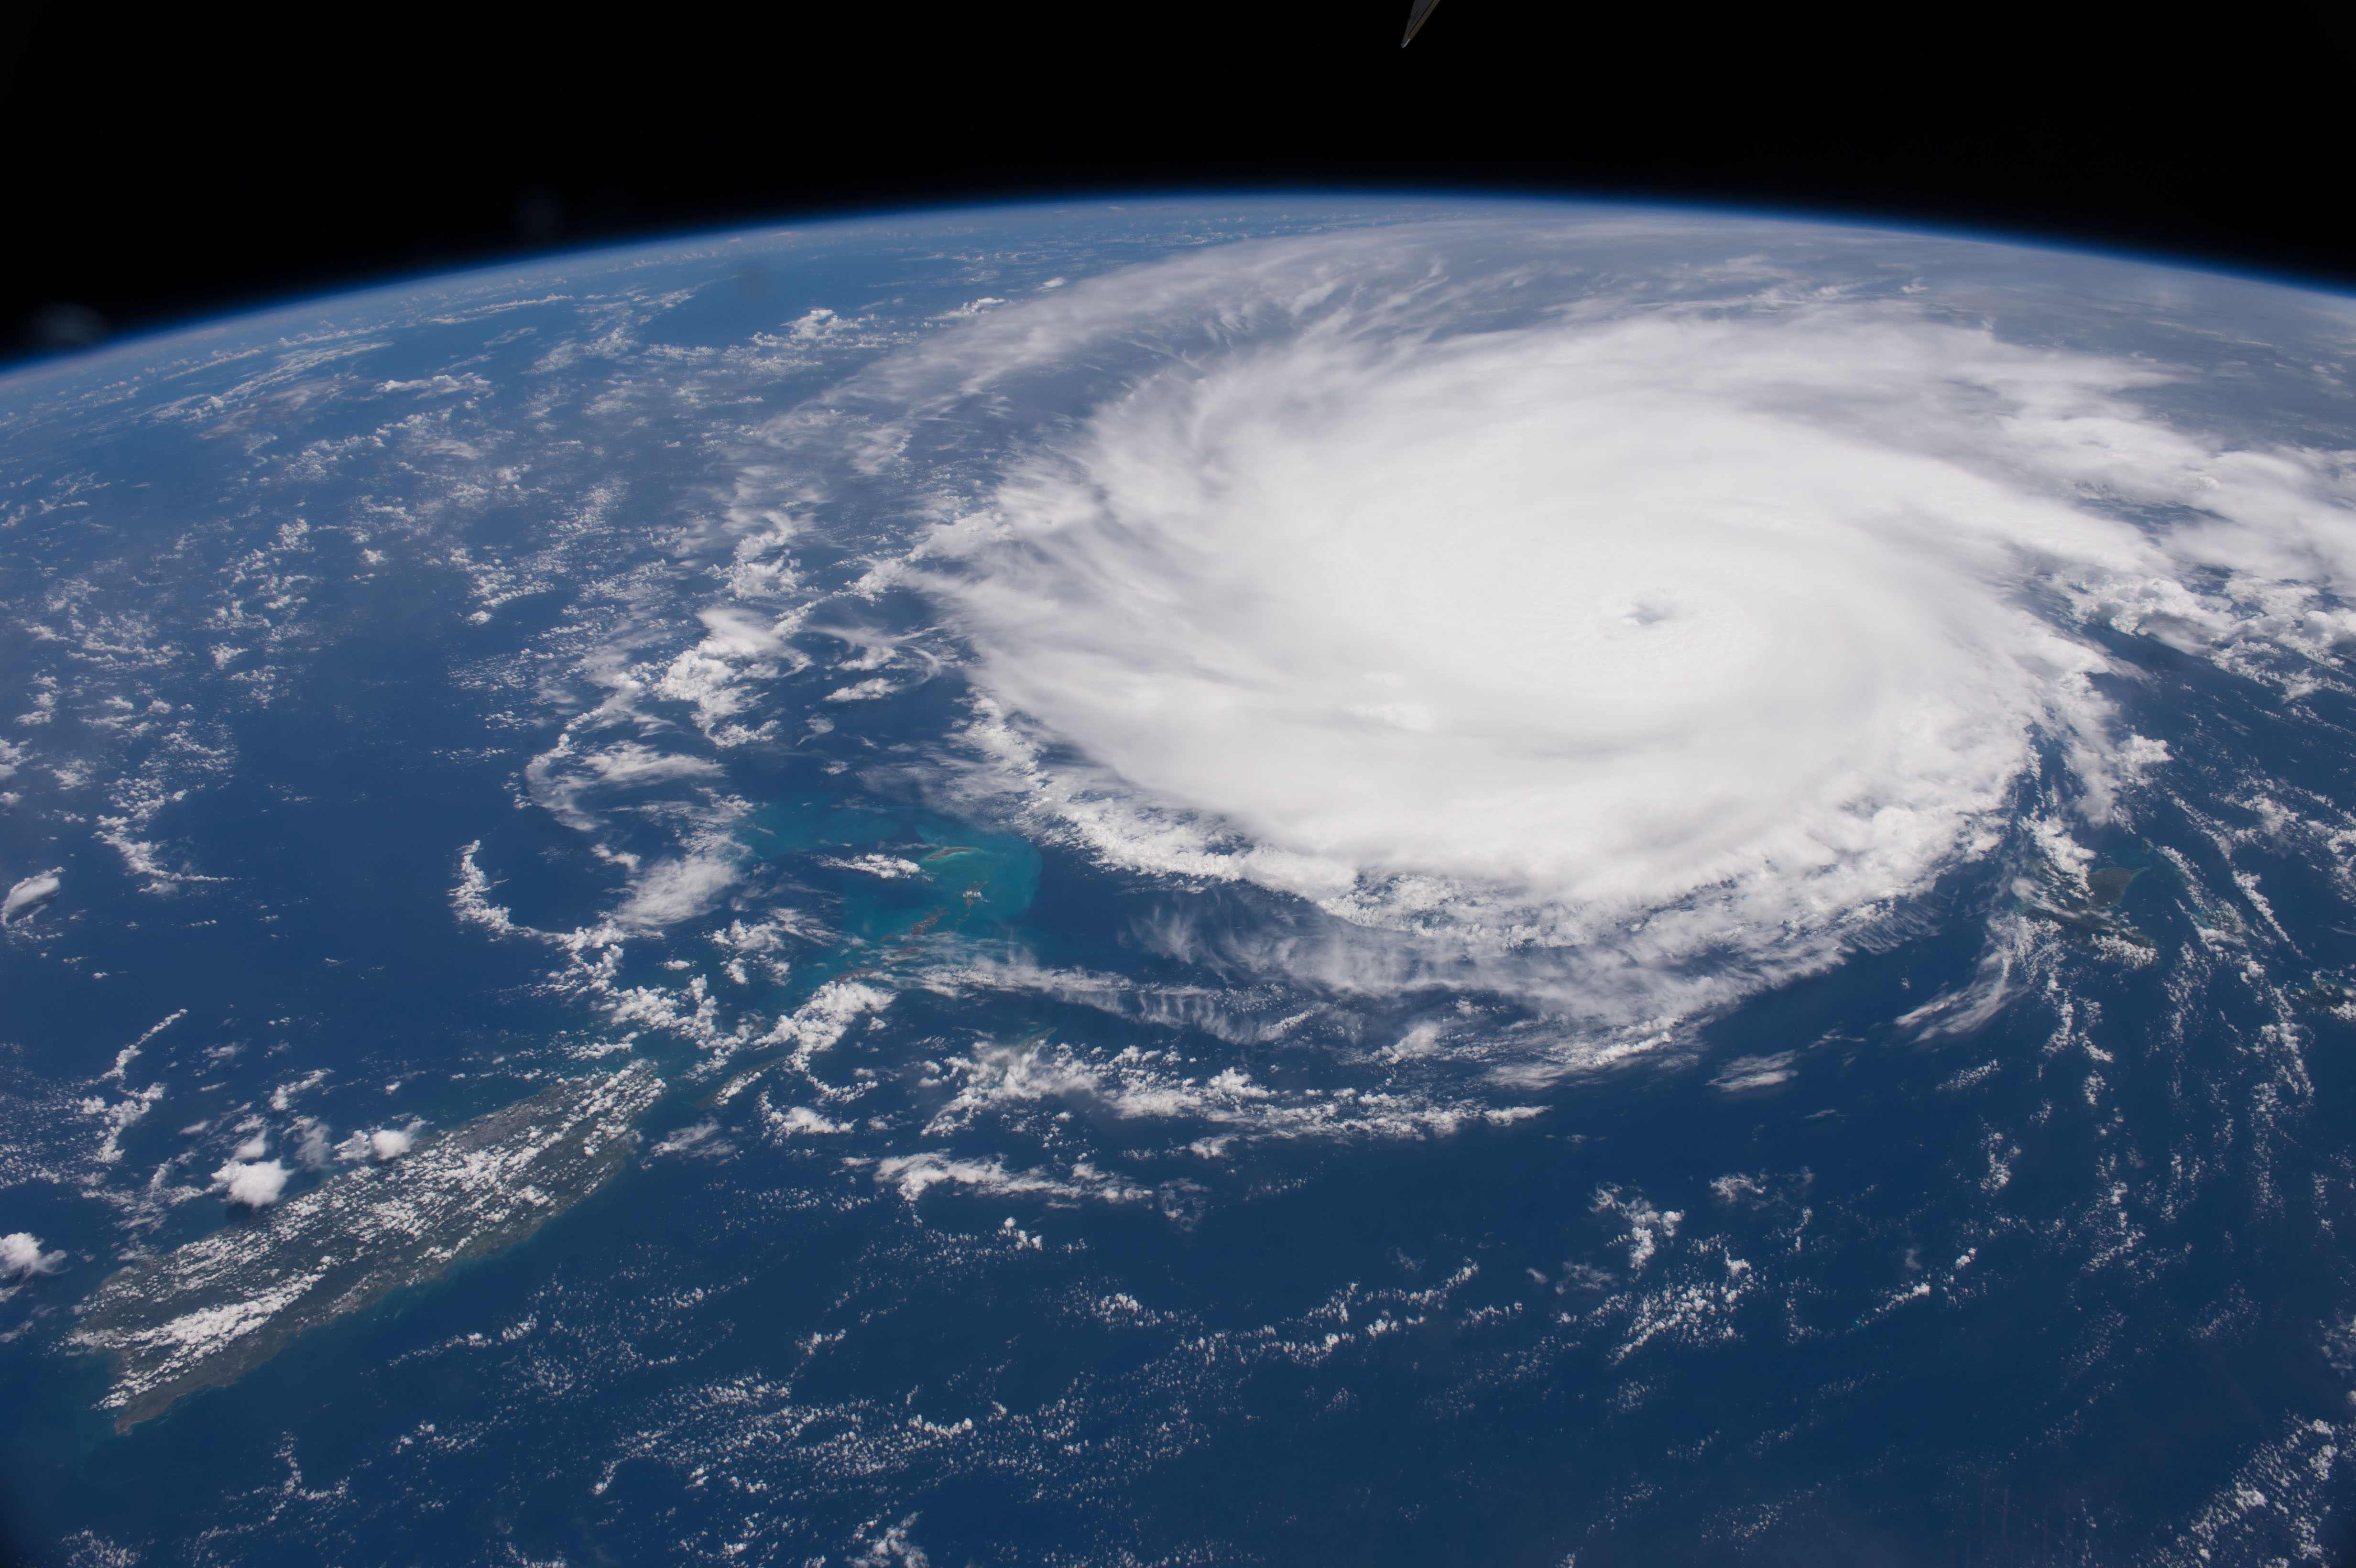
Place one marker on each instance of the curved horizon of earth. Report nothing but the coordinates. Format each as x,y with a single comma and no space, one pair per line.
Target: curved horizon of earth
1288,880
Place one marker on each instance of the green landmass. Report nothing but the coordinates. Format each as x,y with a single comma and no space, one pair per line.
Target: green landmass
204,1315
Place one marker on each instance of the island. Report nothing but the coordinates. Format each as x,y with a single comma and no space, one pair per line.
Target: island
204,1315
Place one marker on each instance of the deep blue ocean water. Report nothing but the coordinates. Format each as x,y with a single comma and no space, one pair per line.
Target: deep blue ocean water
1115,1229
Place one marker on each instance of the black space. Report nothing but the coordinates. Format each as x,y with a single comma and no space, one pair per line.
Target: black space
162,169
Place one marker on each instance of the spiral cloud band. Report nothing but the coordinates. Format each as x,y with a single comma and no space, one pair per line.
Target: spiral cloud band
1526,608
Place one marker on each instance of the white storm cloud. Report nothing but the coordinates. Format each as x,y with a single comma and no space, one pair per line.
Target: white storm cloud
1654,632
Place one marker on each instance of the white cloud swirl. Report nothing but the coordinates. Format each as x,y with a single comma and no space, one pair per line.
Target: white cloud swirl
1637,626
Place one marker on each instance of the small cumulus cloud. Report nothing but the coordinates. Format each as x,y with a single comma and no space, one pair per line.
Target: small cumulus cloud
888,866
30,893
255,1185
826,1017
568,779
311,1149
672,891
21,1256
702,1141
799,1119
1756,1071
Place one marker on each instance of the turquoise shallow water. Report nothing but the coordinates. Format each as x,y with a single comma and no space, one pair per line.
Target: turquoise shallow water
942,876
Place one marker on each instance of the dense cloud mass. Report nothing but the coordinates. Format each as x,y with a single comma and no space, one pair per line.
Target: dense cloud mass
1647,626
